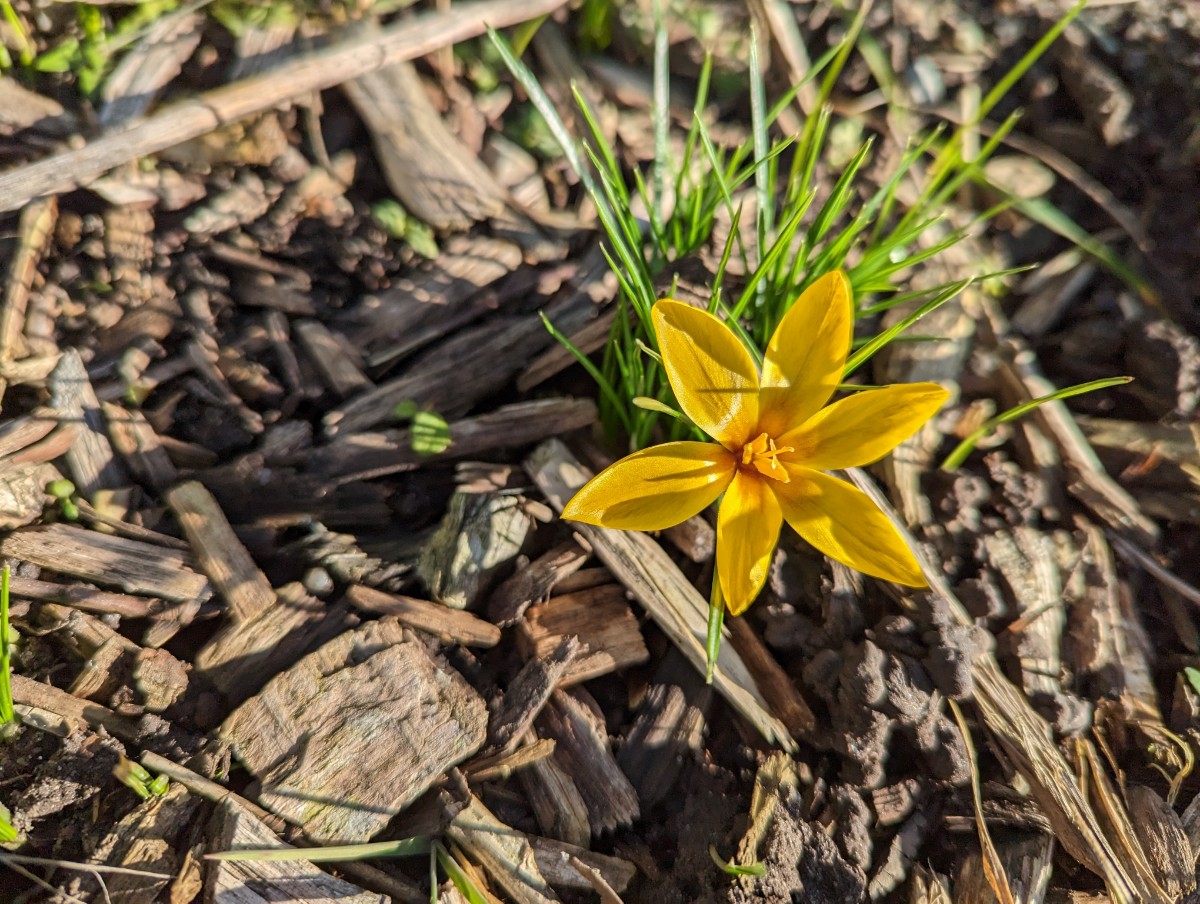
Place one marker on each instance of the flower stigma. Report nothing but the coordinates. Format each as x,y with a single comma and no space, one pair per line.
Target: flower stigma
762,453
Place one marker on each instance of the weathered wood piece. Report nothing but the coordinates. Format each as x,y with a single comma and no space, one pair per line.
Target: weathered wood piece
23,493
261,881
355,732
80,596
356,55
76,713
602,620
448,625
503,852
36,229
509,426
21,108
148,840
776,686
655,581
129,90
479,533
220,554
133,566
669,727
450,189
340,372
527,693
90,460
583,750
142,449
554,860
559,808
534,582
243,655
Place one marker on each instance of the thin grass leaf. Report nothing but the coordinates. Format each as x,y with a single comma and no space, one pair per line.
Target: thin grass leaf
964,449
344,853
877,342
662,99
606,388
524,33
754,870
906,297
7,712
716,618
542,103
459,876
763,187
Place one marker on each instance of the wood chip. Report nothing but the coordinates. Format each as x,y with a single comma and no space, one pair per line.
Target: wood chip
504,853
534,582
600,618
527,693
337,367
244,655
448,625
91,463
131,565
355,732
655,581
583,750
220,554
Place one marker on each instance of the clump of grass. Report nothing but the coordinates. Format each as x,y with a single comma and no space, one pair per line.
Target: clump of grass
799,232
8,715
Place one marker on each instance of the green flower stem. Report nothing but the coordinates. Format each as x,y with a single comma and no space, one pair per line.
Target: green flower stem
716,618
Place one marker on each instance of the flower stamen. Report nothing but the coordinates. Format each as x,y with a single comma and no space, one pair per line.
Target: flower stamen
762,454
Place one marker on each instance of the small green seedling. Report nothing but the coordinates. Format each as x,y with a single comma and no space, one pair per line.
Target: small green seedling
8,715
401,225
428,431
755,869
64,491
135,777
8,834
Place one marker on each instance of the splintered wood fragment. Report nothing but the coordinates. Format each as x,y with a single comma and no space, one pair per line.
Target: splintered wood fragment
534,582
559,808
27,430
508,427
695,538
657,583
75,712
450,189
244,654
259,881
318,71
80,596
449,625
140,446
220,554
504,853
502,766
90,461
103,559
496,349
776,686
554,860
433,299
583,750
479,533
35,228
148,66
341,373
527,693
601,619
355,732
151,840
669,727
23,493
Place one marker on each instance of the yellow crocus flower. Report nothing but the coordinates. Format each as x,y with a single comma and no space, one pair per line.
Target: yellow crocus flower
775,437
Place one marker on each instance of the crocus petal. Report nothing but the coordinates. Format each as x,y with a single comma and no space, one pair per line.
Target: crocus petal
748,524
655,488
842,522
863,427
711,372
804,361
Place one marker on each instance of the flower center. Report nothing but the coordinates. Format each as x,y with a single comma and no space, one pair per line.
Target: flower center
762,454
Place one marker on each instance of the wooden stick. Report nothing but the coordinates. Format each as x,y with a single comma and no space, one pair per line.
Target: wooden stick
452,625
305,75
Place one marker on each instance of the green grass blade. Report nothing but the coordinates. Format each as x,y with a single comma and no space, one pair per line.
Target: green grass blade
344,853
875,343
964,449
459,876
606,388
7,713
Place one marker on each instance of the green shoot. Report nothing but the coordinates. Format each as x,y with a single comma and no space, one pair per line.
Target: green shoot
716,618
8,834
466,887
135,777
428,432
755,869
8,714
956,458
